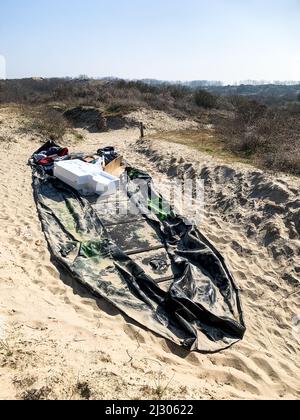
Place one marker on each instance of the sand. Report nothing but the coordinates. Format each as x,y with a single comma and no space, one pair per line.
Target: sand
59,342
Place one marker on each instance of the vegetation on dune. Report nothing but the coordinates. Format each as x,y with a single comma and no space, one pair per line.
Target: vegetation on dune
205,99
259,124
46,121
253,133
268,137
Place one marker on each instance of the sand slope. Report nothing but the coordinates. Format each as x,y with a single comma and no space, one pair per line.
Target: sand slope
56,341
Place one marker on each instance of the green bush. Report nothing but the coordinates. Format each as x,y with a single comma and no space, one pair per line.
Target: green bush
205,99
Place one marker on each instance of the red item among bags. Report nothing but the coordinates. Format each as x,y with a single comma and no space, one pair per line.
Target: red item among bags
51,159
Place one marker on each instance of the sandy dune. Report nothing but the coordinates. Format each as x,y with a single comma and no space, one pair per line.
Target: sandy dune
57,341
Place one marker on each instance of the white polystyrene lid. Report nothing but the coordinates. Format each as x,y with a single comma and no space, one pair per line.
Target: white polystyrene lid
104,180
79,168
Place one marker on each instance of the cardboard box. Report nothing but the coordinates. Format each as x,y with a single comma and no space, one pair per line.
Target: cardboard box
115,168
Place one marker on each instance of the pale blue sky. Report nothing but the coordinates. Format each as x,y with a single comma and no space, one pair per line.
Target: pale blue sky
227,40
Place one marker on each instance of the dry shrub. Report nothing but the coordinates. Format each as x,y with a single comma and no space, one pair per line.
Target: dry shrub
269,137
283,160
120,107
100,94
47,121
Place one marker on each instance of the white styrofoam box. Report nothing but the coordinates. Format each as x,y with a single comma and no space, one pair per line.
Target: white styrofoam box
105,184
85,177
73,172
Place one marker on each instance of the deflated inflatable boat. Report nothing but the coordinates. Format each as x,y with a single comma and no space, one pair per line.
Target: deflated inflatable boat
152,266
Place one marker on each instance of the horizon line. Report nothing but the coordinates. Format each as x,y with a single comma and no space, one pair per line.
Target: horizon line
211,83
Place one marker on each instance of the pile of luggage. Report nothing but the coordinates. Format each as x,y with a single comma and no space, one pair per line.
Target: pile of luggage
97,174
